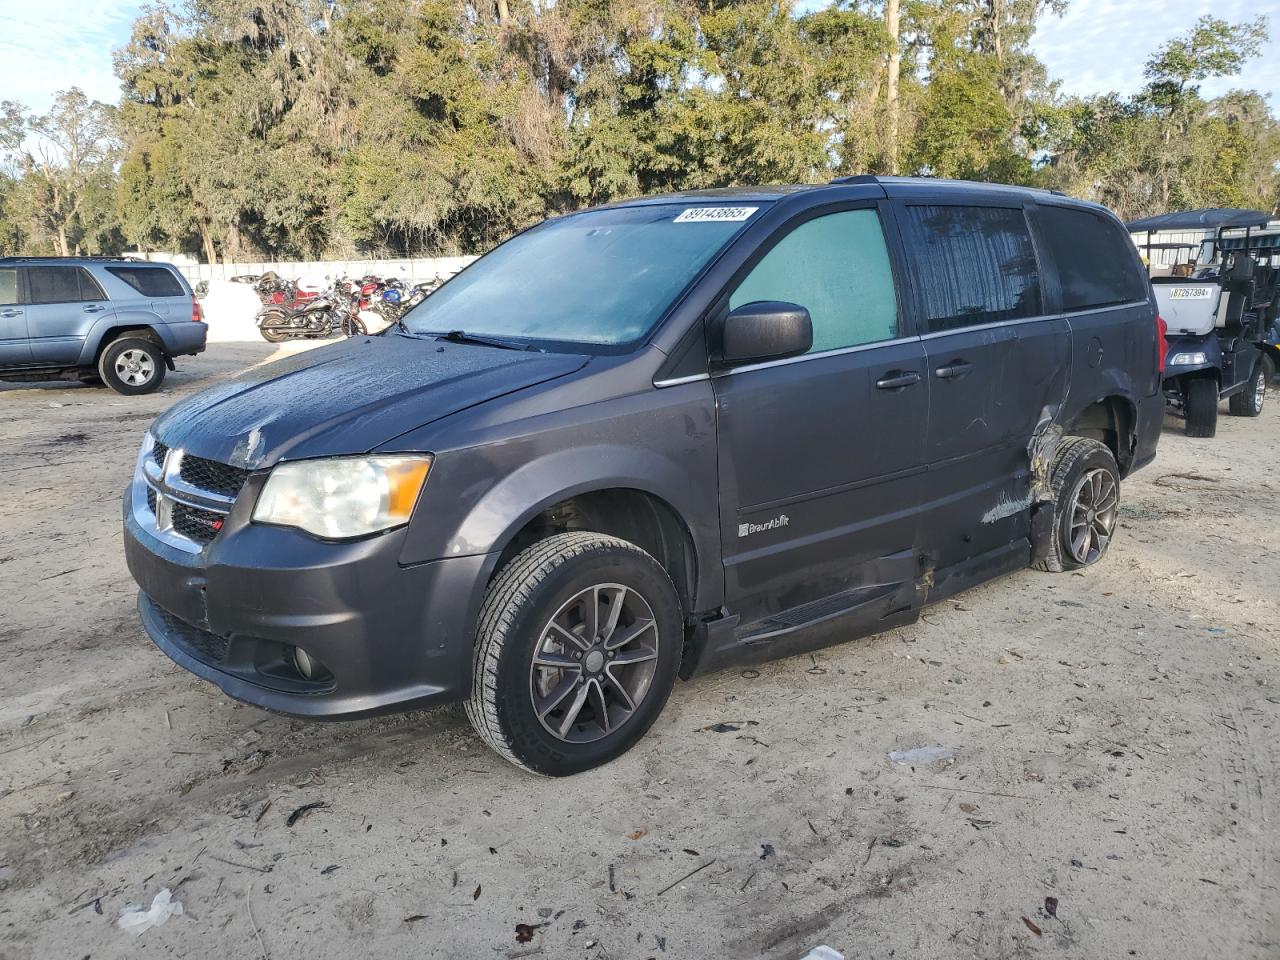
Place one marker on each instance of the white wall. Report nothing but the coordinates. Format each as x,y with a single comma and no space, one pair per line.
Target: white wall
415,270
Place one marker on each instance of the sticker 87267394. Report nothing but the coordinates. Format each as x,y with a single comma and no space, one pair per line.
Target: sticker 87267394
715,214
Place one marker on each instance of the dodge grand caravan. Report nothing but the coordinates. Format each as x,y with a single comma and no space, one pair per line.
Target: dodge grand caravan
652,439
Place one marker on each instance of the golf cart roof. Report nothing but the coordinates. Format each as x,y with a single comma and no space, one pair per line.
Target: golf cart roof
1210,218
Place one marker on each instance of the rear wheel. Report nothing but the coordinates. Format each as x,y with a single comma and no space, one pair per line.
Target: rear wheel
272,332
132,366
1085,483
578,646
1248,402
1202,407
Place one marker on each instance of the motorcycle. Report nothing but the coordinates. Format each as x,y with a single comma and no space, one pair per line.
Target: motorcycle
320,317
397,299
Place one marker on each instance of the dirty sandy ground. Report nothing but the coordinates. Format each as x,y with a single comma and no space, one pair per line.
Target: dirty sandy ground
1115,736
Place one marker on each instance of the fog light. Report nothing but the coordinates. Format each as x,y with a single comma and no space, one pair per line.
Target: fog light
1186,359
306,666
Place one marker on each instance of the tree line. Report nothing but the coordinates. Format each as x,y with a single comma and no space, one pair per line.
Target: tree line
310,128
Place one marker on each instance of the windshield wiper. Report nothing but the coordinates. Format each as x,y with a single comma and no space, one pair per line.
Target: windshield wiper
461,336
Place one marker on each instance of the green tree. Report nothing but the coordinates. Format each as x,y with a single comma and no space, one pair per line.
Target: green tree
64,161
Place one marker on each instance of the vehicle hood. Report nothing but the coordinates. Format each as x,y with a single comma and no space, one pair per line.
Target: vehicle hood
347,398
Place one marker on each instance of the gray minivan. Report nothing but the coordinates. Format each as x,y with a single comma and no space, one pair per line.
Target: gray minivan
115,320
650,439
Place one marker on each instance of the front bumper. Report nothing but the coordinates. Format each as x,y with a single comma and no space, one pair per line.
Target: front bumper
390,637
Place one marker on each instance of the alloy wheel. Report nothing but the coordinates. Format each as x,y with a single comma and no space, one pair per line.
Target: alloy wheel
135,367
1094,505
594,663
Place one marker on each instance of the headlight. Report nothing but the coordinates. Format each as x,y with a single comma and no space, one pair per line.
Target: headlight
1185,359
343,497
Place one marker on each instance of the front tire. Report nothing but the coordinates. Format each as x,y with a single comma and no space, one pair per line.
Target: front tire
579,642
1202,407
1085,484
132,366
1248,402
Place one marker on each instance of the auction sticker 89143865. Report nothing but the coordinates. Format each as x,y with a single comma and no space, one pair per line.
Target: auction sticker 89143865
715,214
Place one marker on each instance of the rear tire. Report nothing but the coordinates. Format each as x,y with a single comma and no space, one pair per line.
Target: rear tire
1248,402
132,366
603,622
1085,484
1202,407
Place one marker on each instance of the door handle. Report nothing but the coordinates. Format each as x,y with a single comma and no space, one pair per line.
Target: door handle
10,313
897,379
956,368
93,308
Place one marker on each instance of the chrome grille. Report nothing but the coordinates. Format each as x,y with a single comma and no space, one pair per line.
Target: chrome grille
187,498
221,478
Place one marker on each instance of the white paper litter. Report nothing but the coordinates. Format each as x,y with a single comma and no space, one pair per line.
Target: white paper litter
138,920
921,755
823,953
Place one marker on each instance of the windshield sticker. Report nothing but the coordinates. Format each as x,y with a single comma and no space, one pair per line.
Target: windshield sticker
1191,293
715,214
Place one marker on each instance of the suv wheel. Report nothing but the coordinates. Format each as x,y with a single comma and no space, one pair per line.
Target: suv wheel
1248,402
132,365
578,646
1202,407
1086,491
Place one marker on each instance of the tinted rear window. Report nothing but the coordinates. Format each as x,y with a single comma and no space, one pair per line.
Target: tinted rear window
971,265
149,281
1094,257
61,285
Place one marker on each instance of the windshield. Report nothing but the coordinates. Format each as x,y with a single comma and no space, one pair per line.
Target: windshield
602,278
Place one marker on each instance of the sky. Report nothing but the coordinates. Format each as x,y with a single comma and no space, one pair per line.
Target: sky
1097,46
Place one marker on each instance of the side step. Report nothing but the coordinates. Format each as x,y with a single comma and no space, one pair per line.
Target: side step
718,643
818,611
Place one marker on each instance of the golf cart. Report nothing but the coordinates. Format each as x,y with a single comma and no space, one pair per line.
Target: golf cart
1264,247
1218,297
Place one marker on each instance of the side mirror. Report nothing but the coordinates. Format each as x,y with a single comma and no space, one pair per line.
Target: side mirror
765,330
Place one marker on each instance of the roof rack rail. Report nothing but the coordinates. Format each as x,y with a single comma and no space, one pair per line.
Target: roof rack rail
858,178
73,257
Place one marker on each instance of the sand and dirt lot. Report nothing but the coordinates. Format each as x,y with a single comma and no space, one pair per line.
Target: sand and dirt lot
1113,792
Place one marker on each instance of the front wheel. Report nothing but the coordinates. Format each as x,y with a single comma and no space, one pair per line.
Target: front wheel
1085,484
132,366
578,645
1248,402
1202,407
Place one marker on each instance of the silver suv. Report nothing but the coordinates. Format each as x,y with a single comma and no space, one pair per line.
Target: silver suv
120,321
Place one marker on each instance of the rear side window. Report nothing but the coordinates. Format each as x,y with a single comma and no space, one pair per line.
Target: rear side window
1094,258
149,281
837,268
61,285
8,286
971,265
